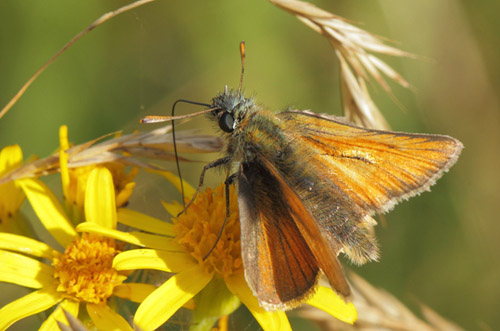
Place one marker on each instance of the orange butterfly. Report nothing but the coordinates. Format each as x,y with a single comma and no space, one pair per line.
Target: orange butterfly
308,186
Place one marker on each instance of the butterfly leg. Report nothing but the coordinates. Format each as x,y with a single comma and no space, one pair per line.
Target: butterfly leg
210,165
228,182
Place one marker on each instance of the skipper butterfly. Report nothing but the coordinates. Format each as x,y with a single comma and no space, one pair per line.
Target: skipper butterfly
308,186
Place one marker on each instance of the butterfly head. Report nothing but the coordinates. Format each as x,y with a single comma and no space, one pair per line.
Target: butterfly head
230,108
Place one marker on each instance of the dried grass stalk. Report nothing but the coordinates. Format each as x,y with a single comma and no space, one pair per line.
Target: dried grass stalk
379,310
74,323
156,144
91,27
353,47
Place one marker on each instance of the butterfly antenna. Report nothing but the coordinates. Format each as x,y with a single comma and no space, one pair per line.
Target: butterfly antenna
175,143
157,119
229,181
242,54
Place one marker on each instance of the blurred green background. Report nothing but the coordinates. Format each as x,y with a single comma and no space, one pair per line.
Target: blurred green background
441,248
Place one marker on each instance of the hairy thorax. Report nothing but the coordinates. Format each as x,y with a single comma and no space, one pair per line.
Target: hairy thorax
258,134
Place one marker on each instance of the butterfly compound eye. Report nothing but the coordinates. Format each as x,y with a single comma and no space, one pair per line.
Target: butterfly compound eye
226,122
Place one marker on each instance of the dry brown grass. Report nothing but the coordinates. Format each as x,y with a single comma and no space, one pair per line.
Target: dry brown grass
354,48
379,310
127,149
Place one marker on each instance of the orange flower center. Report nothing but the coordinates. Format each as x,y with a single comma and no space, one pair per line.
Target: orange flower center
198,227
84,272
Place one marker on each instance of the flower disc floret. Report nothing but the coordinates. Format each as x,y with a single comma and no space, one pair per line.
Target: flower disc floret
198,227
84,272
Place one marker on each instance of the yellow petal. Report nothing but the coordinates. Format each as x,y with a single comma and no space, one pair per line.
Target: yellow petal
11,157
188,189
213,302
326,299
25,271
63,159
189,305
124,194
100,205
50,323
48,210
144,222
11,196
28,305
134,237
152,259
11,200
135,292
22,244
173,208
105,318
169,297
268,320
73,322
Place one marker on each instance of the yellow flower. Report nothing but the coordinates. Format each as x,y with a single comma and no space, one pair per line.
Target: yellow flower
12,196
74,180
182,253
82,274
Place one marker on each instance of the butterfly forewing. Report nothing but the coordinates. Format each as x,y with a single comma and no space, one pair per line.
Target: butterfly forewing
344,174
324,248
279,266
376,169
